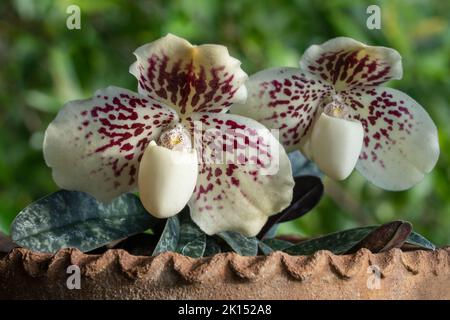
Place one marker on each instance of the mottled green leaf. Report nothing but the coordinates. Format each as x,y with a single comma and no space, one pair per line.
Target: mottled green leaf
277,244
240,244
189,231
192,240
195,248
169,236
375,238
416,240
75,219
338,242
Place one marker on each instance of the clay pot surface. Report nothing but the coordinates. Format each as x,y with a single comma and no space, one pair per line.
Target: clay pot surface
117,274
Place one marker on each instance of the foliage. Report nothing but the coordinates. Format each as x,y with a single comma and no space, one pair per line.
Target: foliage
45,64
75,219
375,238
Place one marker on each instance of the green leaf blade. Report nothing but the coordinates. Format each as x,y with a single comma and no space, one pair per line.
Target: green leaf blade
74,219
240,244
338,242
264,248
169,237
195,248
277,244
420,241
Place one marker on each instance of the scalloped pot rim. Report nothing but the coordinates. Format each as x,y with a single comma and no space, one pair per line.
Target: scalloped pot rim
117,274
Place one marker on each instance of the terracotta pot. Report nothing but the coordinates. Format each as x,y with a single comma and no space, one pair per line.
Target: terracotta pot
119,275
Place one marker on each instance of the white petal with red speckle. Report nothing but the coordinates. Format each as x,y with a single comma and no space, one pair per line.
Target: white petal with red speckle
400,140
344,62
284,99
189,78
95,145
244,174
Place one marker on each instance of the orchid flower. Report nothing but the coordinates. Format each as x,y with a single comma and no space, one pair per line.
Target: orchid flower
154,141
335,112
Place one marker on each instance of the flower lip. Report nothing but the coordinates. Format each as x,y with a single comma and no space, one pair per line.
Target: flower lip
167,178
335,145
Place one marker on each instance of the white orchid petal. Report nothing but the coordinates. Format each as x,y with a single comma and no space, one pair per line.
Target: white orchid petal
335,145
284,99
167,179
95,145
244,174
344,62
400,140
188,78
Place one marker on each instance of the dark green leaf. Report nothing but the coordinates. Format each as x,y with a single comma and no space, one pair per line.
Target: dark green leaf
240,244
212,247
195,248
396,234
307,192
192,240
141,244
264,248
277,244
75,219
189,231
338,242
169,237
417,241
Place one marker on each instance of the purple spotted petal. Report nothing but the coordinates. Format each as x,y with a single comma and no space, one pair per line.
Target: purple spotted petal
400,139
344,62
95,145
284,99
244,174
189,78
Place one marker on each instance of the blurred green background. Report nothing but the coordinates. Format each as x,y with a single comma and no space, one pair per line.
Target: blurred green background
43,64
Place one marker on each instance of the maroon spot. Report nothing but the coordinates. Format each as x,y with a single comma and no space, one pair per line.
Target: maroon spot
126,147
234,125
203,190
230,169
